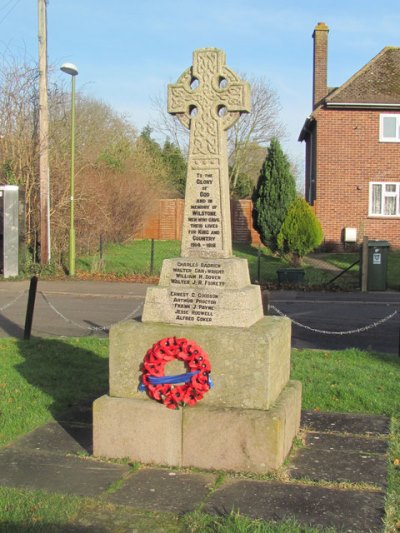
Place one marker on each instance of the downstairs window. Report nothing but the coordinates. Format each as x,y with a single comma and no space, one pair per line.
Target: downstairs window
384,199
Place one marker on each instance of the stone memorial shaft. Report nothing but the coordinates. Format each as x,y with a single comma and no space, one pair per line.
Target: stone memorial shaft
206,286
208,99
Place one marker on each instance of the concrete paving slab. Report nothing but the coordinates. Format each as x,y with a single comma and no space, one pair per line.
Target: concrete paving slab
337,466
164,490
39,461
122,520
55,473
353,423
8,527
355,511
57,438
334,442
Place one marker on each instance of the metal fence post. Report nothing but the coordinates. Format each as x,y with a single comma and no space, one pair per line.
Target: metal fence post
101,246
30,308
152,257
364,265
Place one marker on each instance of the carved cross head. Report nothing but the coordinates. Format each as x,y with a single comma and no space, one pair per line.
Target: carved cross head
209,91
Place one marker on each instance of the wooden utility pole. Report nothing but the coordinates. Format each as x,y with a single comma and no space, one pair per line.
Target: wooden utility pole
43,137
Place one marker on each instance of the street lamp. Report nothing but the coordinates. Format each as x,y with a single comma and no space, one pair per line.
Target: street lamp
70,68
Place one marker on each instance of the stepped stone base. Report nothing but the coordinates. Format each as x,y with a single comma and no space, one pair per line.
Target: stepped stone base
246,422
249,366
209,437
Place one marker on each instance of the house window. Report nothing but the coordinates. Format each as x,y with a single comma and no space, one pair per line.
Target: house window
389,128
384,199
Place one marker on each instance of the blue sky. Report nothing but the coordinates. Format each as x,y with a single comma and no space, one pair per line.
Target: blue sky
127,51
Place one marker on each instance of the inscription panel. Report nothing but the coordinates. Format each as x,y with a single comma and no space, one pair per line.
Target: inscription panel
195,290
204,227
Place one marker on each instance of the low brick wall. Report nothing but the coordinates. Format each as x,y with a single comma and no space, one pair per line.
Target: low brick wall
166,222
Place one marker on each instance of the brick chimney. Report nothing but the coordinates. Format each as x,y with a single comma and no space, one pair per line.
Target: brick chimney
320,72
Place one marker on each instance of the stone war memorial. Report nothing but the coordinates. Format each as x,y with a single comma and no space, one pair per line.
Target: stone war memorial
203,379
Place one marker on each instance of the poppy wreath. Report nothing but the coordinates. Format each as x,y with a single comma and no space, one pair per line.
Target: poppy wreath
183,389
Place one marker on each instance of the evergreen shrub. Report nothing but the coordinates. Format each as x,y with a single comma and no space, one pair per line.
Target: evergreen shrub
301,231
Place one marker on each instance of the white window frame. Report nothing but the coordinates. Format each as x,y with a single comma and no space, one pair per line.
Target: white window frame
384,194
396,138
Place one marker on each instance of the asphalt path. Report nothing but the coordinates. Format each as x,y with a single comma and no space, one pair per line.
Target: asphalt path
321,320
336,321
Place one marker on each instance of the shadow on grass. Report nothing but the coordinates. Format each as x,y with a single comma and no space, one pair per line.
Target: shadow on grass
70,374
244,248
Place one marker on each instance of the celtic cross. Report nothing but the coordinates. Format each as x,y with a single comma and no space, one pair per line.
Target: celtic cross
208,99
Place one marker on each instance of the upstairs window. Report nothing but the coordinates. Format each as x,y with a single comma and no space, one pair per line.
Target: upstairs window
384,199
389,128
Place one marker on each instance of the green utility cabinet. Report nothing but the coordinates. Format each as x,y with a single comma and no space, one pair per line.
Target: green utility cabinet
377,265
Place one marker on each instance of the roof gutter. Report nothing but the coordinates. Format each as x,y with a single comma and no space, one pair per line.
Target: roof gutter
362,105
305,129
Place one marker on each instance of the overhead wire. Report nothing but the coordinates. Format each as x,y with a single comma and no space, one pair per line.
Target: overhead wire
9,11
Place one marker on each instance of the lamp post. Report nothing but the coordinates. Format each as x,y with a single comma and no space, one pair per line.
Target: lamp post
70,68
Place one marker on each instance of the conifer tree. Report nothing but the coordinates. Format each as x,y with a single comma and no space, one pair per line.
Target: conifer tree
176,166
275,191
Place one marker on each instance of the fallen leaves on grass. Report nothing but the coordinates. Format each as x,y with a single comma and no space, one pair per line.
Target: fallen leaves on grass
103,276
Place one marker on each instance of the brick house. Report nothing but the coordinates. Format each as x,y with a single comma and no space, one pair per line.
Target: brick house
352,138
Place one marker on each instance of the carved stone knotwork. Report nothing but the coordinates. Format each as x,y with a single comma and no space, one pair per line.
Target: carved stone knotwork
208,98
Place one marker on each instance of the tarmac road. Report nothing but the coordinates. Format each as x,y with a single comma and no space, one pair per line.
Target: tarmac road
343,312
82,308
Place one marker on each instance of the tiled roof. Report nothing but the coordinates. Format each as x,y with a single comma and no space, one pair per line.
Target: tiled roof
376,83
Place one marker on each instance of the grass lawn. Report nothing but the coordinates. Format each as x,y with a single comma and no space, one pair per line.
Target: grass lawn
42,378
134,258
131,258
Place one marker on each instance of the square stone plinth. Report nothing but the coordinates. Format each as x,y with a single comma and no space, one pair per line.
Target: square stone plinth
242,440
209,437
249,366
144,431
